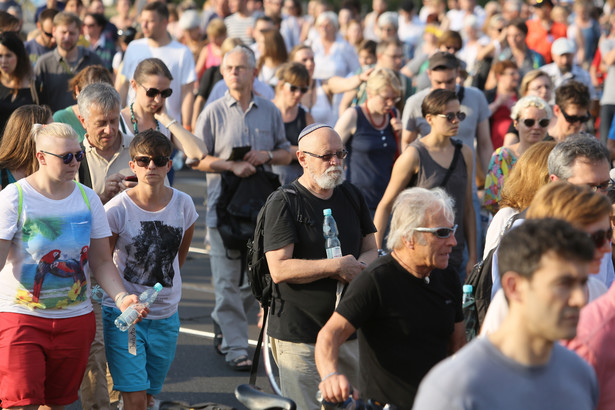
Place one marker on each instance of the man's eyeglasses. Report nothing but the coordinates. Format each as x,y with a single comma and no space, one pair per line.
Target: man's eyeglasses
575,118
158,161
294,88
395,100
49,35
68,157
452,115
327,157
441,233
601,237
599,187
153,92
529,122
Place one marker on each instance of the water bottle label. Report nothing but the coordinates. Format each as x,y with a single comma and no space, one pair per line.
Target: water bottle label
335,252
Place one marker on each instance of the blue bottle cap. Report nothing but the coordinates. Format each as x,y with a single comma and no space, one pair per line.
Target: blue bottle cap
157,287
326,212
467,288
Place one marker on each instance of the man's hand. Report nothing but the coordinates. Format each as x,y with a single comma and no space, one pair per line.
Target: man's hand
114,184
130,300
336,389
256,158
348,269
243,169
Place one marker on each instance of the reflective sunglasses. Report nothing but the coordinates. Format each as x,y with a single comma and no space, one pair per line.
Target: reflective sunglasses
68,157
153,92
441,233
294,88
452,115
158,161
601,237
599,187
575,118
327,157
529,122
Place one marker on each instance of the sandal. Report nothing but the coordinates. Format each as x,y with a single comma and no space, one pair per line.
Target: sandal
241,363
218,338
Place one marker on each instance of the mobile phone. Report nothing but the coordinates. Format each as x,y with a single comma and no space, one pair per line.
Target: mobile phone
132,178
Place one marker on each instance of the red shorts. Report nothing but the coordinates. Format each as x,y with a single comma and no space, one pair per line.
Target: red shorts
42,361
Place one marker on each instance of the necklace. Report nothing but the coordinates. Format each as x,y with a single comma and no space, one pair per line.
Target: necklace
369,115
134,121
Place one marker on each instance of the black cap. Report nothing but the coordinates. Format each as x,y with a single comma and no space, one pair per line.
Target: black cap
442,59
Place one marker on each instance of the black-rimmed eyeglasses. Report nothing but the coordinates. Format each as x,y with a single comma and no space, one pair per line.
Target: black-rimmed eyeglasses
327,157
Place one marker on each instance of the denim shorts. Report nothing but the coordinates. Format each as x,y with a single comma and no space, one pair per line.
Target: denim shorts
155,341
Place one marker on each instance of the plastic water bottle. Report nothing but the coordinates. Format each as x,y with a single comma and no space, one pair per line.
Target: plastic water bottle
469,312
130,315
332,246
329,230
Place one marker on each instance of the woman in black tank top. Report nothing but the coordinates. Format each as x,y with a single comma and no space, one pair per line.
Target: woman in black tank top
293,82
437,160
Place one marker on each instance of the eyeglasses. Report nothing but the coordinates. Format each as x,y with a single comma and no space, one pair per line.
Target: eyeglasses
294,88
601,237
158,161
68,157
575,118
153,92
452,115
47,34
599,187
395,100
441,233
327,157
529,122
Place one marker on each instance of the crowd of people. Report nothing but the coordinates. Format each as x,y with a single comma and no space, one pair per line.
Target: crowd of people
436,134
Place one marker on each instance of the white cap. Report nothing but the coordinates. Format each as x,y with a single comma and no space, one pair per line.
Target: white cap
189,19
562,46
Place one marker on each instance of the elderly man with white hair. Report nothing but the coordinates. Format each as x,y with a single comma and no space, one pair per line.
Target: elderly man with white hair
408,320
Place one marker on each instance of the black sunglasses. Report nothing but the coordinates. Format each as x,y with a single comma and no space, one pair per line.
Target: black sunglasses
153,92
158,161
452,115
294,88
47,34
601,237
327,157
529,122
68,157
574,118
441,233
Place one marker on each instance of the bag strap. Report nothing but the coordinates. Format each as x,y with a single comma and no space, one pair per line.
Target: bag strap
20,202
84,195
450,170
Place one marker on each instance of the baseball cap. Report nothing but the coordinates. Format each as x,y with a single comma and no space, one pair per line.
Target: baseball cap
562,46
442,59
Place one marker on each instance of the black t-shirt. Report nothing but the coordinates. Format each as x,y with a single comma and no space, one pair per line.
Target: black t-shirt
405,327
299,311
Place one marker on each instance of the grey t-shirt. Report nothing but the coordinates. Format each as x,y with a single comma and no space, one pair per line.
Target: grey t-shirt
481,377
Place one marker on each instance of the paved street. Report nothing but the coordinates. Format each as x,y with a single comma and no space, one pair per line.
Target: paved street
198,374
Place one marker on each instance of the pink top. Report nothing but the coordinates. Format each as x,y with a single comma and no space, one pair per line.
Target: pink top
594,343
212,59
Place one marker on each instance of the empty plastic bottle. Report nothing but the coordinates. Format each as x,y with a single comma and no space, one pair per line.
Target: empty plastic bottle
97,294
130,315
469,312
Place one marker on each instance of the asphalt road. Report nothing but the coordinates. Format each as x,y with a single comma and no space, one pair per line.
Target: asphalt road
198,374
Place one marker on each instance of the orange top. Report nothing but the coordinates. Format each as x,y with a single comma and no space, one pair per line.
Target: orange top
540,40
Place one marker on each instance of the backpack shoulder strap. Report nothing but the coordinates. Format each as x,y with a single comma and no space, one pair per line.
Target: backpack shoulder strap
84,195
20,201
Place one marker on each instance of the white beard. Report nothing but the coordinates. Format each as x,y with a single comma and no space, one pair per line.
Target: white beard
328,180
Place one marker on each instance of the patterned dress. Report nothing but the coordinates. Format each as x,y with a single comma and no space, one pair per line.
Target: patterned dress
502,162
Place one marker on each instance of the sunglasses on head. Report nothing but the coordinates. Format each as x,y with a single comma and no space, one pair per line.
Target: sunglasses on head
327,157
529,122
452,115
601,237
68,157
575,118
441,233
158,161
294,88
153,92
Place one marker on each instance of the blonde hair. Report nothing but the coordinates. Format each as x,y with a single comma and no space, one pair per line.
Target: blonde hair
42,132
381,78
216,28
576,204
529,174
531,76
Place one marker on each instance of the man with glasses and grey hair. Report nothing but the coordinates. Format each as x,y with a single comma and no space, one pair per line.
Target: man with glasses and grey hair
582,160
398,345
308,284
240,119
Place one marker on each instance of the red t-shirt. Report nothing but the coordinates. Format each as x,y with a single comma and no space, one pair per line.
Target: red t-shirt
540,40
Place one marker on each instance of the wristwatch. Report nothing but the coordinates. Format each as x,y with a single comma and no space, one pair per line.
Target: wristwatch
270,157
